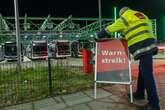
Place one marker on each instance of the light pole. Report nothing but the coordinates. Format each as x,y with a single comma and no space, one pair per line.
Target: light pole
18,44
100,14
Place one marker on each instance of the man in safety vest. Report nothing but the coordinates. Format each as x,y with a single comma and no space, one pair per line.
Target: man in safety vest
137,30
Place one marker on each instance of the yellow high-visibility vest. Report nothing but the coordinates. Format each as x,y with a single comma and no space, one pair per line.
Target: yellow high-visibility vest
135,26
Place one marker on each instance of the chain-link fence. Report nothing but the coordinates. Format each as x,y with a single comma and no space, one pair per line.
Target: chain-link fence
40,79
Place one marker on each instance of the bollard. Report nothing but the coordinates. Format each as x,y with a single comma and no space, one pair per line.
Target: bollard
87,66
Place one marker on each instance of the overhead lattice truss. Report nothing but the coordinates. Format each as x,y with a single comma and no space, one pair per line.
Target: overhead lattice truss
90,29
71,28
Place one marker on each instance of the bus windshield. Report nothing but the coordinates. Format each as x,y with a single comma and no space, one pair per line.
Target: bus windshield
10,50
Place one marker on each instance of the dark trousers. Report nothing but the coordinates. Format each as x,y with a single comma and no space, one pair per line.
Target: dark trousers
146,80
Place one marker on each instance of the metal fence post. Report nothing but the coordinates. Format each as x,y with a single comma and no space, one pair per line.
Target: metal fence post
49,76
18,43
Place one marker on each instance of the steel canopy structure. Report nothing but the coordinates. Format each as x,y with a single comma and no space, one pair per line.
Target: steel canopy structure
70,28
38,26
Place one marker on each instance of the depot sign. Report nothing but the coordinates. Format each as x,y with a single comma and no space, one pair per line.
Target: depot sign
112,62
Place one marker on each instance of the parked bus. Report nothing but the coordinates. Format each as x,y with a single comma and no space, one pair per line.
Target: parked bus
60,49
37,50
10,51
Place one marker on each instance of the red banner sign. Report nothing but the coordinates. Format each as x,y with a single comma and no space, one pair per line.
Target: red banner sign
112,62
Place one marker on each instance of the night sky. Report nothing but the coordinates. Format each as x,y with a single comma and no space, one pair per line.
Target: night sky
80,8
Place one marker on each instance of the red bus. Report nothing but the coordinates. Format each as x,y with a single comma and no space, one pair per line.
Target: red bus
60,48
37,50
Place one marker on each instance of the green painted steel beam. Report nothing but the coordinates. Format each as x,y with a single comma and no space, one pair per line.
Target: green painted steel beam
3,24
64,24
44,25
60,18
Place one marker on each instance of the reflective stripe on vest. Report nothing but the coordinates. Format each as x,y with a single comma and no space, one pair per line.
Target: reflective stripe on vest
135,27
144,50
137,34
125,21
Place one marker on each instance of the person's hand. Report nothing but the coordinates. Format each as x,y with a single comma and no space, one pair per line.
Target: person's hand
101,34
